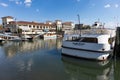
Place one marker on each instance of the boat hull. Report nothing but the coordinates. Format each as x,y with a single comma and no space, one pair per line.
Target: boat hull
101,56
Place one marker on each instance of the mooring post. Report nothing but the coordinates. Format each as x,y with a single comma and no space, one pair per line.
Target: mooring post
117,43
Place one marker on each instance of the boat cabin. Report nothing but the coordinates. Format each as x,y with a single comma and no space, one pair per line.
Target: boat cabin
100,39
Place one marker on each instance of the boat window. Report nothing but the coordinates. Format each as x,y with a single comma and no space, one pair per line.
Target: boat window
91,40
85,39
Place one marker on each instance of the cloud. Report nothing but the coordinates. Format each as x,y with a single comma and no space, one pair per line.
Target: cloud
107,6
78,0
116,5
93,5
4,4
37,10
18,2
28,3
11,0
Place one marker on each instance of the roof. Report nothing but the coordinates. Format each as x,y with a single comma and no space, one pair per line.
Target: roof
90,35
102,38
8,17
67,23
95,35
28,23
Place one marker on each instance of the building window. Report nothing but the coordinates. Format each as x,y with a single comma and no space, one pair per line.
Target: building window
29,26
33,26
38,27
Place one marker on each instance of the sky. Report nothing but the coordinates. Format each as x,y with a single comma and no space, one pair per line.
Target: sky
106,11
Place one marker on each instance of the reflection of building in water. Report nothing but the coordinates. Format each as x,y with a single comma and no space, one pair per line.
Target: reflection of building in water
86,70
24,47
59,42
25,65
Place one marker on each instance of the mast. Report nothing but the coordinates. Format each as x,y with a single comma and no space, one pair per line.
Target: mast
79,24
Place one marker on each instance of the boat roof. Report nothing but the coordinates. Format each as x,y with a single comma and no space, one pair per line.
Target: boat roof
95,35
90,35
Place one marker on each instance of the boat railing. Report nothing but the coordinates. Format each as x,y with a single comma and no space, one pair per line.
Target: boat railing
90,31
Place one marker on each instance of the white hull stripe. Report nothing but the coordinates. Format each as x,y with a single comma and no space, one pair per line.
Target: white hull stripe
87,50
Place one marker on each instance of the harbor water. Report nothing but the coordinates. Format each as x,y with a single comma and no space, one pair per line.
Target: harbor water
42,60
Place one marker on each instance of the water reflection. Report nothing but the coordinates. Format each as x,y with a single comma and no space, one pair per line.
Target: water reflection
79,69
25,65
41,60
12,48
37,60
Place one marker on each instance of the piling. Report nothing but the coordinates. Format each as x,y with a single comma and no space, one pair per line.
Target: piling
117,43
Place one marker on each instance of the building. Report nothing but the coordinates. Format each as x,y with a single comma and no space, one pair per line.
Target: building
6,20
67,26
81,26
78,26
58,24
35,27
30,27
26,26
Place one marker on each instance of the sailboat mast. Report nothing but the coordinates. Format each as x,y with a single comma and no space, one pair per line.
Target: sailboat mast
79,24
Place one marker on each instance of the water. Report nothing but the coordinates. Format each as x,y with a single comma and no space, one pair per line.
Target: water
42,60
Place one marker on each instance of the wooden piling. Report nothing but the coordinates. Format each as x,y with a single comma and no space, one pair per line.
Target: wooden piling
117,43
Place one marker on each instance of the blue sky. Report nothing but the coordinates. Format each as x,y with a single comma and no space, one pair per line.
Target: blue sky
108,11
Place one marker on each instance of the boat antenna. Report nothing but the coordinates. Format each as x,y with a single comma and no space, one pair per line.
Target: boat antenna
79,24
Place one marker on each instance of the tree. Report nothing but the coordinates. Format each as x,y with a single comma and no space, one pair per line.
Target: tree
1,26
86,27
19,31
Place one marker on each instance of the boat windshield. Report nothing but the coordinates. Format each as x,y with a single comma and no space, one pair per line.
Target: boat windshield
86,39
91,40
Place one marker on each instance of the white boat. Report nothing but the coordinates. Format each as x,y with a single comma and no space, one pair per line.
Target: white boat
49,36
1,40
14,38
10,37
26,37
96,44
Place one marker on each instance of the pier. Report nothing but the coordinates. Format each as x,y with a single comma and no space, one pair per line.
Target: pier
117,43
